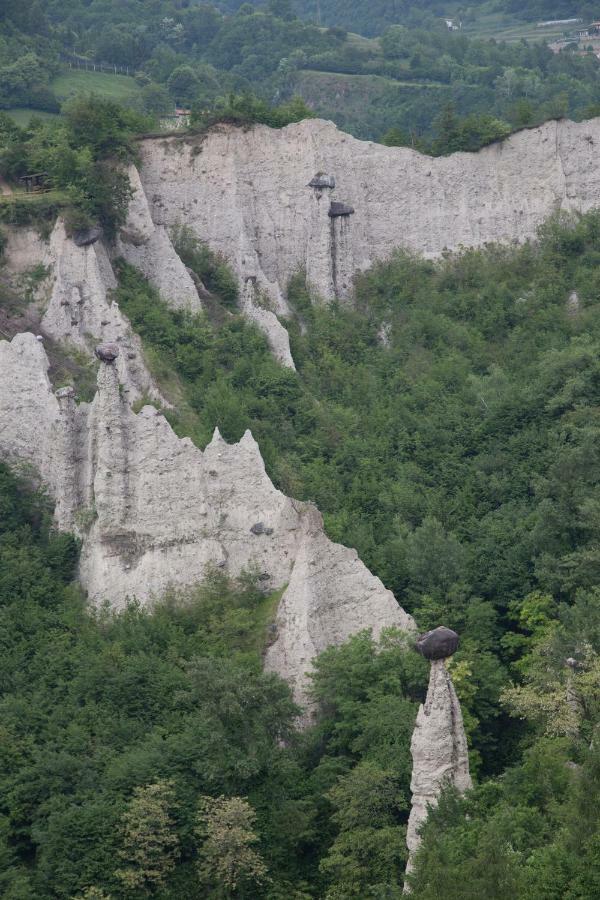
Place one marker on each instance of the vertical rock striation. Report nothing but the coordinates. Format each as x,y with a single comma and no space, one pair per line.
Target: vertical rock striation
148,247
75,300
261,196
439,744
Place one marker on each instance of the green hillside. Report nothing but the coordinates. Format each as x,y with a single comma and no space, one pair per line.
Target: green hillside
197,57
70,82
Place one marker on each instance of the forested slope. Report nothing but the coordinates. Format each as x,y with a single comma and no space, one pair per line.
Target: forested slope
447,427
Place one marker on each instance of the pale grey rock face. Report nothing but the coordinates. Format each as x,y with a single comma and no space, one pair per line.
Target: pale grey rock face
154,511
249,195
326,601
269,324
28,408
439,751
80,311
148,247
24,249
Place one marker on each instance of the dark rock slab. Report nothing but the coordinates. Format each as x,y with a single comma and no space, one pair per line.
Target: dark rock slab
260,528
87,236
107,352
338,208
322,181
438,644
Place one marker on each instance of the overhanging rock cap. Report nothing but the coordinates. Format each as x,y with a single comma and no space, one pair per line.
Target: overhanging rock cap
438,644
107,352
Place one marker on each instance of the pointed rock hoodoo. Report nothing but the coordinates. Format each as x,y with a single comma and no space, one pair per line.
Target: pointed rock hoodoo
439,743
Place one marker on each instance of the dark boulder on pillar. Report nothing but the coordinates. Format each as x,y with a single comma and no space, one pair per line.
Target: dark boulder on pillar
438,644
107,352
86,236
322,181
338,209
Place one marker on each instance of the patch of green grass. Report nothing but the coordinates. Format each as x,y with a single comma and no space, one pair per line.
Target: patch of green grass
260,636
23,116
71,366
77,81
503,28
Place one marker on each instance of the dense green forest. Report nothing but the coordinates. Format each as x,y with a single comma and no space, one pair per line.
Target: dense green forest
194,55
447,425
373,18
460,456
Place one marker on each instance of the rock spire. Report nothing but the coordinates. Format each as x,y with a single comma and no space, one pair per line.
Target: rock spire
439,744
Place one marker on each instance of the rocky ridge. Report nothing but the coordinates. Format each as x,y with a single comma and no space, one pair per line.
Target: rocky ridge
310,197
155,512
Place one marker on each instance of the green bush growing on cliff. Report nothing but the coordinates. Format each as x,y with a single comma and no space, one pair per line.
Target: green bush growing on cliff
248,109
211,268
82,156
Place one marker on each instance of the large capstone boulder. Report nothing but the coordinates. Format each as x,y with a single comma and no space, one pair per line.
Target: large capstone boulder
438,644
86,236
322,181
338,209
107,352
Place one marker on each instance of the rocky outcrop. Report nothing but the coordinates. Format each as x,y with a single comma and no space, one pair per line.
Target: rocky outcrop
268,323
154,511
28,408
75,301
439,744
148,247
253,195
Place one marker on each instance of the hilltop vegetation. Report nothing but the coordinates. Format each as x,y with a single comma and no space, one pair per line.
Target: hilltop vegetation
196,56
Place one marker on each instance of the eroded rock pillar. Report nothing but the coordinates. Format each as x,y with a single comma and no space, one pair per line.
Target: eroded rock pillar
111,486
439,744
64,447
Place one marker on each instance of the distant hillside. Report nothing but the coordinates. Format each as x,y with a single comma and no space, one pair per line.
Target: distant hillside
375,17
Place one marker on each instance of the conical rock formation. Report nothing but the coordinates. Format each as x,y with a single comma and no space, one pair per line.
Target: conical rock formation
439,751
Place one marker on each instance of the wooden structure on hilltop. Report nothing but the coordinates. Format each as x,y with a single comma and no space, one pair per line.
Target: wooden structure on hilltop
35,183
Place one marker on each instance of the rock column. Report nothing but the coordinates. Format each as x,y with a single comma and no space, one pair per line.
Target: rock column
64,447
111,486
439,744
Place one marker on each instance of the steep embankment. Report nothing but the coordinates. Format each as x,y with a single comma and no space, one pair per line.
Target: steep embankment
154,511
247,193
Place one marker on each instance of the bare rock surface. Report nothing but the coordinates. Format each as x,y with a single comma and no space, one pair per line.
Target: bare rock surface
439,751
74,300
269,324
28,407
148,247
248,194
154,511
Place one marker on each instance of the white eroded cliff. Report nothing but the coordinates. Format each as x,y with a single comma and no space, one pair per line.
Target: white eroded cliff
154,511
148,247
247,193
74,302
